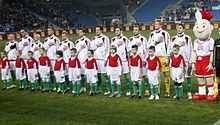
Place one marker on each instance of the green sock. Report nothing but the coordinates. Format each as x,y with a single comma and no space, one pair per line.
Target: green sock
91,87
24,82
4,84
13,75
155,90
20,84
189,84
33,85
152,90
78,87
119,89
47,85
99,82
127,84
62,87
73,86
8,83
134,89
180,90
112,88
140,87
82,81
95,88
108,83
177,91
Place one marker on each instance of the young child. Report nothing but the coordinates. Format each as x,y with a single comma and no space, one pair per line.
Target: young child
59,72
177,66
153,72
32,73
44,70
135,64
91,72
114,65
74,71
5,71
20,71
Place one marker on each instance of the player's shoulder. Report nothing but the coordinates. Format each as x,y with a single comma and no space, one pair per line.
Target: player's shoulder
113,38
131,38
173,38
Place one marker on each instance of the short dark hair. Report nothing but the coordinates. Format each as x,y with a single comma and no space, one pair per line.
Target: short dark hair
60,53
114,48
31,52
176,46
152,48
91,51
134,46
100,27
74,50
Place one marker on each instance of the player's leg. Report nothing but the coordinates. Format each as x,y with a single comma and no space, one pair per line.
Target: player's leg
78,87
112,88
119,87
125,70
188,77
210,87
106,84
201,89
139,88
152,90
134,86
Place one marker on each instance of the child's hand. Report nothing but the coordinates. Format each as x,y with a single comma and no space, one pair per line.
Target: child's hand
209,67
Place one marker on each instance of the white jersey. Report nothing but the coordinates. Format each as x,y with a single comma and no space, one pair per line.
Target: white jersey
102,44
25,45
203,48
51,44
185,43
11,48
121,43
161,40
141,42
65,47
82,46
36,49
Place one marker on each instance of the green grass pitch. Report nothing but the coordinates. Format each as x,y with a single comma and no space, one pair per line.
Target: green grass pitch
26,108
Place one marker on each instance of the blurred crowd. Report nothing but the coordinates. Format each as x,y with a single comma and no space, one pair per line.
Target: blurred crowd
15,16
186,10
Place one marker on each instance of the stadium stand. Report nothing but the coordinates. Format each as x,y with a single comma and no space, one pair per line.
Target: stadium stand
70,14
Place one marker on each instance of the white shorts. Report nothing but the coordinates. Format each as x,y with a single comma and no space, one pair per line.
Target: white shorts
91,75
144,71
74,74
52,61
125,68
60,76
44,72
135,73
114,74
153,77
20,74
12,65
101,66
82,69
6,75
177,74
32,75
188,72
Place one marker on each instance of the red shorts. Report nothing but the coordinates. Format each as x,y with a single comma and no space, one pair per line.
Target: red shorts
200,67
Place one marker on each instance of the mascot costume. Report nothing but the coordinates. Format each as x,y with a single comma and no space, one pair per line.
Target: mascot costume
203,52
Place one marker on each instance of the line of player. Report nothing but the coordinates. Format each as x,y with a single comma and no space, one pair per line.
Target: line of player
100,63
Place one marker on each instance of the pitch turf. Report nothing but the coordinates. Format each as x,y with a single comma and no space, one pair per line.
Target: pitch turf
26,108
